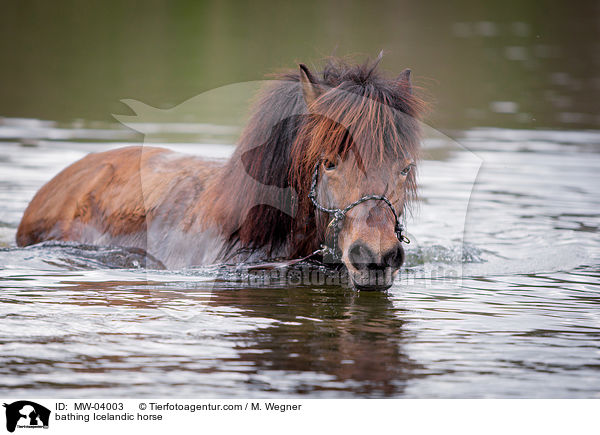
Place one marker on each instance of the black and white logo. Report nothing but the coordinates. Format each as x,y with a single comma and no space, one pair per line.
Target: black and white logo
25,414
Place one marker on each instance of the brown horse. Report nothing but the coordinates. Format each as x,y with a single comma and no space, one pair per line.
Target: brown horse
337,137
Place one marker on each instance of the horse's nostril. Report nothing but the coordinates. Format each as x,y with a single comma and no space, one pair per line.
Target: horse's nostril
394,258
360,256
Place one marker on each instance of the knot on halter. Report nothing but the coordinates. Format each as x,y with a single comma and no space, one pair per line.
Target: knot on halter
339,215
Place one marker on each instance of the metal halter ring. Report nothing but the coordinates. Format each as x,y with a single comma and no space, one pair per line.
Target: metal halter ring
339,215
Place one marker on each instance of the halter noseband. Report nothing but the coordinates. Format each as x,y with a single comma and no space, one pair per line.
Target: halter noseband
340,213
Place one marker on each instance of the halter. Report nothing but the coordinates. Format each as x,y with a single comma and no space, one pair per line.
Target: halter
340,213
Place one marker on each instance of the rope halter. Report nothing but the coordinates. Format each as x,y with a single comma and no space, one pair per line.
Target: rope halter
340,213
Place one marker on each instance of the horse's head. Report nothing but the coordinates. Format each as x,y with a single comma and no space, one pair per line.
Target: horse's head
359,147
368,239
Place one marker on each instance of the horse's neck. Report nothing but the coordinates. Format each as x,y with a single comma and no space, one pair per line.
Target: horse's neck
250,217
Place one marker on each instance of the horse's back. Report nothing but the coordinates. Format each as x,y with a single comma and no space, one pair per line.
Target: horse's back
111,197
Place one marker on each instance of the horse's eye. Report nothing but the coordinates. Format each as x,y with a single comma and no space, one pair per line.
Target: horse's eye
406,170
329,165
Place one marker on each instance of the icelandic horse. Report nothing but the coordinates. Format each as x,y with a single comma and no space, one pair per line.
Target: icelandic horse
325,166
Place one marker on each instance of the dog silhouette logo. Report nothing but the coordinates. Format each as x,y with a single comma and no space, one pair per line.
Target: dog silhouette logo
26,414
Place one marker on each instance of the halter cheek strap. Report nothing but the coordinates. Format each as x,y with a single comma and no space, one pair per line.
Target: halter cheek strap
340,213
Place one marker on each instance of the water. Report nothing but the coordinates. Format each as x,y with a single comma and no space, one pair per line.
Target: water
513,63
500,296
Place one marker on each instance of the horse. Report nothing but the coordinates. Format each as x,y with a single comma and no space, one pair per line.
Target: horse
325,168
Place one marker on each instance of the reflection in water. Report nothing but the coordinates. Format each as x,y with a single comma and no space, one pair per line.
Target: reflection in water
349,341
280,340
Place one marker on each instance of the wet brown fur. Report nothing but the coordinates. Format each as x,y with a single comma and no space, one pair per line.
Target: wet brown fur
110,193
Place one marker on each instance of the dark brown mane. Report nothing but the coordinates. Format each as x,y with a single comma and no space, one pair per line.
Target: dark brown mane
360,111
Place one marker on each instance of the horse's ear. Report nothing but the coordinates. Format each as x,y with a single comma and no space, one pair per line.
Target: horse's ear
310,88
404,79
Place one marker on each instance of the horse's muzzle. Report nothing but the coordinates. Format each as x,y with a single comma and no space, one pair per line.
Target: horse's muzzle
373,271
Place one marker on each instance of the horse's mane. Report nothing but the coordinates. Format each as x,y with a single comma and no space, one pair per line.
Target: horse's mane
359,111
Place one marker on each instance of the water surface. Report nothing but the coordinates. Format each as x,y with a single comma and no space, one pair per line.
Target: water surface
500,296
